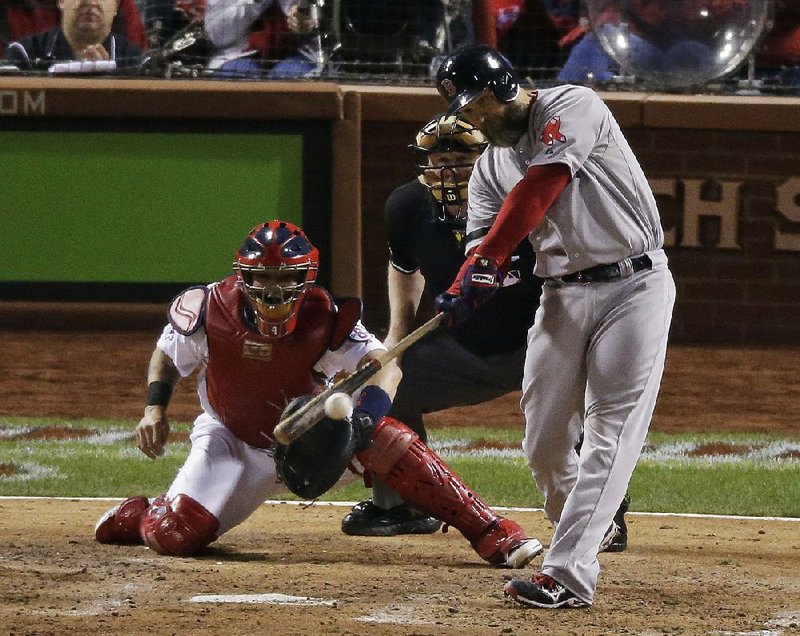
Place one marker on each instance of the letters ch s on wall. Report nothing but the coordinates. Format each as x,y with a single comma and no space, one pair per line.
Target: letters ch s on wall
723,209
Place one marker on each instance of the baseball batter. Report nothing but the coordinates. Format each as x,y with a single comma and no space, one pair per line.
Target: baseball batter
259,339
559,170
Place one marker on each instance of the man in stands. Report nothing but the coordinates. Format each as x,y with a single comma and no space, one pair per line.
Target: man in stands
84,35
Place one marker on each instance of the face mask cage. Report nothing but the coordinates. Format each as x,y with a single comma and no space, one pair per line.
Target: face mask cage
447,182
274,291
444,153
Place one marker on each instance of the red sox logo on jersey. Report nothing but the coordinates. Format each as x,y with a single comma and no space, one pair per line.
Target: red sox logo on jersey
552,133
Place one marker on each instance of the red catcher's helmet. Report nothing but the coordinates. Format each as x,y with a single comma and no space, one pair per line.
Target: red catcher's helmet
275,267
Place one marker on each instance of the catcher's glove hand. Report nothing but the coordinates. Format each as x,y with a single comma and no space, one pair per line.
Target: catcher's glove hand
313,463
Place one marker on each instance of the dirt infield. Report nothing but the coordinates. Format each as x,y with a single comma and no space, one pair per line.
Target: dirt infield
680,575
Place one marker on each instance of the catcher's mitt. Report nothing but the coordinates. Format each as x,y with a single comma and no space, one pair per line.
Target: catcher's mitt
313,463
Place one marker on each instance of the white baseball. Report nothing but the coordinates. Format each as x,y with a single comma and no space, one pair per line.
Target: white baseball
339,406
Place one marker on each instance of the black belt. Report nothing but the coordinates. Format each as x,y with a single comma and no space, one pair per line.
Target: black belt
613,271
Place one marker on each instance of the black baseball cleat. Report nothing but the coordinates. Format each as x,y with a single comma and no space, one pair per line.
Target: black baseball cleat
368,520
542,591
619,542
609,538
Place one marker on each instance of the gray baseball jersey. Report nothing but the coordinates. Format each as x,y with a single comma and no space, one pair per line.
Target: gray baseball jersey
607,212
596,350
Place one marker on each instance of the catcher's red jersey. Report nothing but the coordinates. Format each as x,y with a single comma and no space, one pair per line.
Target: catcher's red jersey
251,378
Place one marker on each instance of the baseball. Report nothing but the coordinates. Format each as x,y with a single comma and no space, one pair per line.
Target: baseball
339,406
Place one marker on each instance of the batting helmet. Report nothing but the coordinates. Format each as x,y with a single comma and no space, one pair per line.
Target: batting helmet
445,150
465,74
275,267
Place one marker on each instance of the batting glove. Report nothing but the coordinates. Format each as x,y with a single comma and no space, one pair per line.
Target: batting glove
476,282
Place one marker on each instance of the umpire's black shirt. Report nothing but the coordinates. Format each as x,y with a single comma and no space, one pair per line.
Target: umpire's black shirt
419,240
40,51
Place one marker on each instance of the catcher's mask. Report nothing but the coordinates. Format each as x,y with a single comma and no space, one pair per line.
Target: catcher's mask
275,267
445,150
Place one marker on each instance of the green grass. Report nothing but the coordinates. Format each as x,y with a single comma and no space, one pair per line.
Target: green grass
755,486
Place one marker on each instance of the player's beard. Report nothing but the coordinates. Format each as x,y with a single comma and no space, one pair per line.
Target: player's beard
506,130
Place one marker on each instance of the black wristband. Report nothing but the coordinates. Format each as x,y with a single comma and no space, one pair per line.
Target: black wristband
159,393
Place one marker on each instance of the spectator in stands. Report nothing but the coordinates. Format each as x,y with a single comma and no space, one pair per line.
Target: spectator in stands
22,18
662,38
263,38
84,35
164,19
778,56
535,35
586,59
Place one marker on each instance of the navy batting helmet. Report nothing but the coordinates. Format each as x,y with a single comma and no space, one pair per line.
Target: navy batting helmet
465,74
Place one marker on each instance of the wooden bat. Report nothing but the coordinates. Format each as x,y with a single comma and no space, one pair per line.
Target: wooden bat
294,425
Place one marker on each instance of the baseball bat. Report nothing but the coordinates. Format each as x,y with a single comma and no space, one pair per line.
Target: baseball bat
295,424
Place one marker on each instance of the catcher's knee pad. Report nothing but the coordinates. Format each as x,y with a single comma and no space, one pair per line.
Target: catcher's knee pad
179,526
398,457
388,444
121,523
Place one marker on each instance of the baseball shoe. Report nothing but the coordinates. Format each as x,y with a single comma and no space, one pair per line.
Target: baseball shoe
542,591
609,537
368,520
616,537
522,553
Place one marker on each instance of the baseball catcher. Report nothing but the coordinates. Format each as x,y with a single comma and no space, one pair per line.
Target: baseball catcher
260,338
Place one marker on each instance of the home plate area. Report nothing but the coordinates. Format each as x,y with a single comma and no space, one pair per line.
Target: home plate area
289,570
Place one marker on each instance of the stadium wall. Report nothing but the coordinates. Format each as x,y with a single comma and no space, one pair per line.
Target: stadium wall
726,171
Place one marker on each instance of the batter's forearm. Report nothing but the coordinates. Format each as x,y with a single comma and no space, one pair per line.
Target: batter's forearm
523,210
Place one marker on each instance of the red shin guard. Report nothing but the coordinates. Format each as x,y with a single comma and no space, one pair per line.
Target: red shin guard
179,526
398,457
121,524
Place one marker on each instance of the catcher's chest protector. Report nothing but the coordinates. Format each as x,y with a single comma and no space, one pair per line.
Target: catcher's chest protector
251,378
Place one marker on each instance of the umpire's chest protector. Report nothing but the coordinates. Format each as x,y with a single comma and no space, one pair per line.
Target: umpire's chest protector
250,378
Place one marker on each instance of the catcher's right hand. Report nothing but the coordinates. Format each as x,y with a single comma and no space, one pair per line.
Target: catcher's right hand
153,431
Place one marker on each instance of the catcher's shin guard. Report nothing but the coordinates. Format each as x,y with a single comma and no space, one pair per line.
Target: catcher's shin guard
121,524
179,526
419,475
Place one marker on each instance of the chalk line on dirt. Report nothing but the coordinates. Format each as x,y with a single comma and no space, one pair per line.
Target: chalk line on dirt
350,504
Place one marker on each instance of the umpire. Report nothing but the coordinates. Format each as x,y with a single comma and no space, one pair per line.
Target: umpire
476,361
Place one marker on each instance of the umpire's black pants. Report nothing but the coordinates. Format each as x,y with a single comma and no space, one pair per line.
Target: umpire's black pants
439,373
